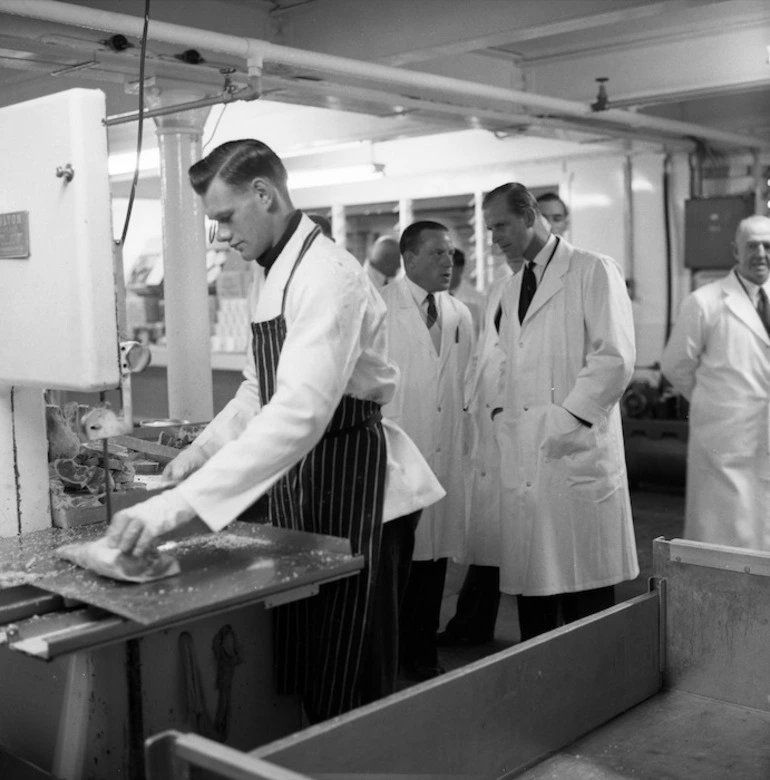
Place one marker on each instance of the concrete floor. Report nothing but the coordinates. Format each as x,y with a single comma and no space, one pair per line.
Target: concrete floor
657,512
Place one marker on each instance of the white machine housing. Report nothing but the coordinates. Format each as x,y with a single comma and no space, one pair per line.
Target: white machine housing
58,301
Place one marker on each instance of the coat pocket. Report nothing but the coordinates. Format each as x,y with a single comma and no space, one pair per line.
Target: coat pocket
593,474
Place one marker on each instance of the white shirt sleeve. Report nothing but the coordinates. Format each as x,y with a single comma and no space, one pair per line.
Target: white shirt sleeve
681,357
325,307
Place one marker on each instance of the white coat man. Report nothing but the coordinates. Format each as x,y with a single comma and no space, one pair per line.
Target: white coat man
718,357
304,429
473,622
568,337
430,338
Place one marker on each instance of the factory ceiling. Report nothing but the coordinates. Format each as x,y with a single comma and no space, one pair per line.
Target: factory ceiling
668,68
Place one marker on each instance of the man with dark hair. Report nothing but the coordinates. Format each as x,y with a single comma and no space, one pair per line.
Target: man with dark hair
555,210
430,339
384,262
567,333
304,429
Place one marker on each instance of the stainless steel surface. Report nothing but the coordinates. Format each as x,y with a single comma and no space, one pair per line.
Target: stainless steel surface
243,564
717,623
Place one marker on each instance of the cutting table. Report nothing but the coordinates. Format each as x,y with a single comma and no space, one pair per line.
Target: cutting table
672,684
90,666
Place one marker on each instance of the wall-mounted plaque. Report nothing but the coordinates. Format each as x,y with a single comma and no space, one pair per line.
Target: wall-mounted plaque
14,235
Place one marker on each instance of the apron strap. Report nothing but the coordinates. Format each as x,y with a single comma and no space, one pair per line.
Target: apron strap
305,246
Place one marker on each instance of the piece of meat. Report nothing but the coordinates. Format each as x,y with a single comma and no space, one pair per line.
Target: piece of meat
102,558
62,441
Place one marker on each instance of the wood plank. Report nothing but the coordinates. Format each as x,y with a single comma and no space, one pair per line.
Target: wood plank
498,715
157,452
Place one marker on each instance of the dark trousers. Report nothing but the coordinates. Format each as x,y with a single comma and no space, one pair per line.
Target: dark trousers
421,613
538,614
477,605
379,664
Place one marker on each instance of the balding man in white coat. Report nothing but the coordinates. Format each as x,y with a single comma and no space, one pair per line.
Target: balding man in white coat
430,339
568,336
718,357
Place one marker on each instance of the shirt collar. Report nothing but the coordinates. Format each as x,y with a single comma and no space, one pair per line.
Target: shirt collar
418,293
267,258
541,258
751,287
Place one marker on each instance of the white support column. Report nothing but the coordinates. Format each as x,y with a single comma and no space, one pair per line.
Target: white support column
339,225
405,214
480,242
190,391
24,501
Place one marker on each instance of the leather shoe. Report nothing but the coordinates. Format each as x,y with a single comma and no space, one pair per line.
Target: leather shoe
420,672
448,639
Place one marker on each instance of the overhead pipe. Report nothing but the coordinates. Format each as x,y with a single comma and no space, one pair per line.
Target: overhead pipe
254,50
250,92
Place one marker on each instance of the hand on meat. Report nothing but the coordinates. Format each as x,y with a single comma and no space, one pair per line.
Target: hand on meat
136,528
184,464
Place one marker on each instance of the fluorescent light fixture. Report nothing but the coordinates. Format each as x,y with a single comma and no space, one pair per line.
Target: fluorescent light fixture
324,177
123,163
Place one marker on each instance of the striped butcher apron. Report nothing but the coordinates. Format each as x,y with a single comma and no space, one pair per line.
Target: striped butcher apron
338,489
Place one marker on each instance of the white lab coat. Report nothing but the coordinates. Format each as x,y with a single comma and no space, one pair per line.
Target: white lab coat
718,357
335,344
567,522
484,532
428,405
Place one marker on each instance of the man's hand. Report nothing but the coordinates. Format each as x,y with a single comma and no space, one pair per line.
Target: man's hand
563,434
184,464
134,529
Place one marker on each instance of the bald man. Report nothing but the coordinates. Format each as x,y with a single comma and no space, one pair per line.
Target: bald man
718,357
384,263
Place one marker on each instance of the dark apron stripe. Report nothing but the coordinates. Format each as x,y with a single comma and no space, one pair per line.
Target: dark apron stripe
337,489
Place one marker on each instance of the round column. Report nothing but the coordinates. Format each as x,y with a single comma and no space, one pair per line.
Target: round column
190,391
405,214
339,225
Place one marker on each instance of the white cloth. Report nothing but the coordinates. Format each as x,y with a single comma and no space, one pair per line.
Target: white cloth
474,300
336,344
718,357
428,404
484,530
420,298
567,522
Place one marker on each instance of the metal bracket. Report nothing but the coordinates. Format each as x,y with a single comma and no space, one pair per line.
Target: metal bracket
713,556
288,596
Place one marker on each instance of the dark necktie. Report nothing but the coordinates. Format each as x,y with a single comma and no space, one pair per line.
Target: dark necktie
498,317
763,309
432,312
528,287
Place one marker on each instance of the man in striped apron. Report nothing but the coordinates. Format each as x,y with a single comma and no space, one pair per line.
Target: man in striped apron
304,428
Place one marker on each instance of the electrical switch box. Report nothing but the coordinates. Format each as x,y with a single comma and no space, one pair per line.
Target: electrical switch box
709,230
57,278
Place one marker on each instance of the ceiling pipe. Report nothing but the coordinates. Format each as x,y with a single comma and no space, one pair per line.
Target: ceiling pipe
253,50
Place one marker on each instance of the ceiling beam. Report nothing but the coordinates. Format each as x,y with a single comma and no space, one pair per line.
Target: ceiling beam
512,36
